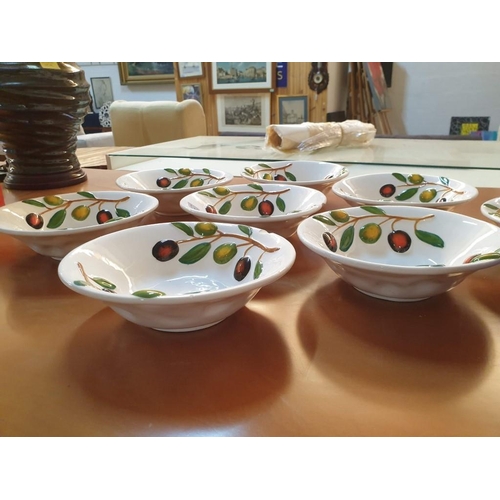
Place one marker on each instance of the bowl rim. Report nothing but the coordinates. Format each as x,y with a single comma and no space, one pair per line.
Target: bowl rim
85,229
380,267
336,189
342,169
226,178
258,218
213,295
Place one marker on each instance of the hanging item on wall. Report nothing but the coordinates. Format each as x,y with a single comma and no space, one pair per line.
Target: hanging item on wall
318,77
281,74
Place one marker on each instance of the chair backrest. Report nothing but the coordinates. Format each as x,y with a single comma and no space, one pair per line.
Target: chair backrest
139,123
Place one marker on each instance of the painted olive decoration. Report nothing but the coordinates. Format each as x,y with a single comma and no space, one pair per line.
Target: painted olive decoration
210,209
387,190
163,182
266,207
34,220
103,216
242,268
370,233
399,241
165,250
330,241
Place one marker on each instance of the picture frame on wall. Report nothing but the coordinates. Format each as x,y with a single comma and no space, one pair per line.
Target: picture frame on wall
190,69
228,77
102,92
192,91
293,109
243,113
146,72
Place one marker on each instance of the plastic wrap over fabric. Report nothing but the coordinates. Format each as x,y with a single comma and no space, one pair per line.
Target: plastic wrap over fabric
311,136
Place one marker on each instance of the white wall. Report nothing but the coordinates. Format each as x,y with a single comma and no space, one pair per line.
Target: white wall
423,97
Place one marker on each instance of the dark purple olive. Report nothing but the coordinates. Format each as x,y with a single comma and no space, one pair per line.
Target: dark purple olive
387,190
35,221
211,209
266,207
279,177
165,250
163,182
103,216
330,241
399,241
242,268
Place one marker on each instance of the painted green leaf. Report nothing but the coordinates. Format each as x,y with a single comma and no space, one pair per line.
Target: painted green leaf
347,239
399,177
491,207
148,294
429,238
406,194
249,171
445,180
245,229
196,253
86,194
180,184
258,270
170,170
79,283
225,208
264,165
122,212
280,203
104,283
290,176
373,210
324,220
184,227
206,193
35,203
256,186
206,170
486,256
57,219
225,252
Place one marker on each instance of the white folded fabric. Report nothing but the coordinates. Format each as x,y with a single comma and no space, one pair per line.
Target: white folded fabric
310,136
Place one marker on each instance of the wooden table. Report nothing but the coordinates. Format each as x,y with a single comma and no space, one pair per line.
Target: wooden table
308,356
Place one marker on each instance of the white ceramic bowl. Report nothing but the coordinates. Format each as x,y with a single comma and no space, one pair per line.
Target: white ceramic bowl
177,276
418,189
491,210
319,175
401,253
54,224
170,185
277,208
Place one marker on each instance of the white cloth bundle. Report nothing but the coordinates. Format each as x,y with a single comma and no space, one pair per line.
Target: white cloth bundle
311,136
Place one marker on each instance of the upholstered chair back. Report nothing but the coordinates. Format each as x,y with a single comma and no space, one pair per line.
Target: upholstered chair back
139,123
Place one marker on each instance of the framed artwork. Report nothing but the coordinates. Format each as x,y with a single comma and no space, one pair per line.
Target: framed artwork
378,86
466,125
243,113
102,92
190,69
146,72
192,91
241,76
293,109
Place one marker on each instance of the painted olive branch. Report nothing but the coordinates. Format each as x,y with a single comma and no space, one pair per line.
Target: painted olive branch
95,201
255,193
394,218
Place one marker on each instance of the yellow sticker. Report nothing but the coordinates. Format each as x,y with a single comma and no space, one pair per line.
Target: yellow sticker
49,65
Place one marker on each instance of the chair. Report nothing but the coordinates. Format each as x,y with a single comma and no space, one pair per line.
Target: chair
139,123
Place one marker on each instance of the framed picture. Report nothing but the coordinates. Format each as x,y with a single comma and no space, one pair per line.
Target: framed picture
190,69
102,92
191,91
243,113
293,109
146,72
241,76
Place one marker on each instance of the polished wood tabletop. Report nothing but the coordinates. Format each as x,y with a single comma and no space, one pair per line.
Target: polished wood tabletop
308,356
